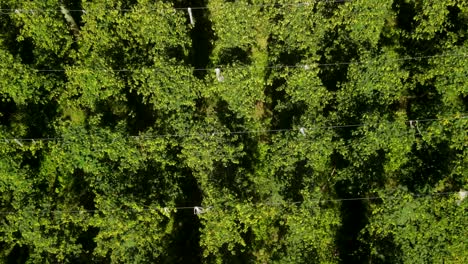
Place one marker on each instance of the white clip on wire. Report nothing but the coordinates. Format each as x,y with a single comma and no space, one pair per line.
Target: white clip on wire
18,142
218,75
302,130
463,194
198,210
190,16
415,122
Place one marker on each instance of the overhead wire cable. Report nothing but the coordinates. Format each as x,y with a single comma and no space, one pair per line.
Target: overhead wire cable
240,132
276,5
253,66
416,196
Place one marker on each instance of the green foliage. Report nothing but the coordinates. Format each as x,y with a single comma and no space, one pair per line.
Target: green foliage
423,230
306,148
